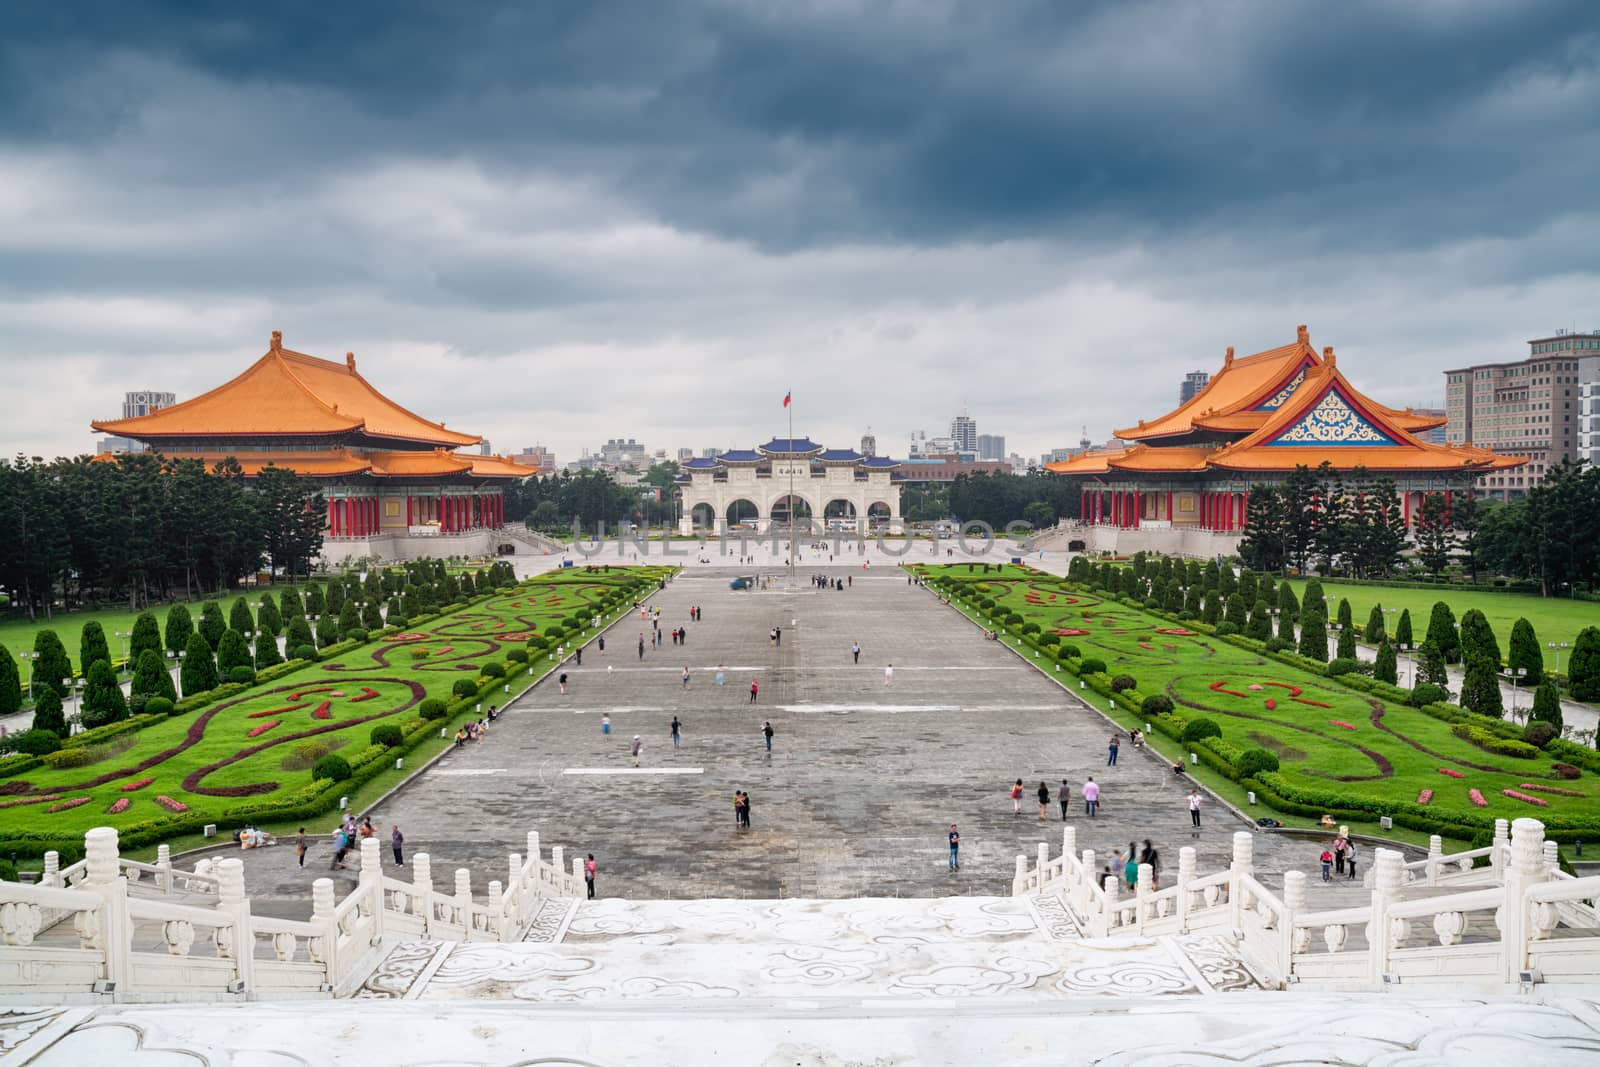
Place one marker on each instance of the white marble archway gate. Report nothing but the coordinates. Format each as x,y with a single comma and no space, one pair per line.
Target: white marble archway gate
765,476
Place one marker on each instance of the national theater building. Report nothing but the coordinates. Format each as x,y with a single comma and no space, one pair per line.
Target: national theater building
394,484
1182,485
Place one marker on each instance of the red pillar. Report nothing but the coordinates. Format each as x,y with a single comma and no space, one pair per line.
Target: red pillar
1169,505
1205,510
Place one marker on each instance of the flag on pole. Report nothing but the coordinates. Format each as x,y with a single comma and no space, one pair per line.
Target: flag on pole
787,397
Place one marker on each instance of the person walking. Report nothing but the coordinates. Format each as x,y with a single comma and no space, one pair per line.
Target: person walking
1327,864
1016,797
1044,801
766,731
955,848
397,842
888,675
772,637
563,682
341,845
1111,751
636,748
1091,797
1339,845
589,869
300,846
1063,795
580,655
677,728
1194,807
738,809
1130,867
1350,862
721,677
855,651
1153,858
686,676
601,643
605,724
755,687
641,646
747,811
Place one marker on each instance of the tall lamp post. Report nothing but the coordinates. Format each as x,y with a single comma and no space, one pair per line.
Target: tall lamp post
1411,666
1515,674
125,634
1556,647
33,671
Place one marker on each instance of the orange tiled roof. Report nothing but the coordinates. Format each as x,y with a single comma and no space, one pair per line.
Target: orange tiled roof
286,392
417,464
498,467
329,464
1091,462
1241,386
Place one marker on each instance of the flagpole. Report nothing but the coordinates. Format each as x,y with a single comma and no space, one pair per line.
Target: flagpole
793,544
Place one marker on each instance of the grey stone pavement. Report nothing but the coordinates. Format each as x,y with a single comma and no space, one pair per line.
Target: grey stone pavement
857,795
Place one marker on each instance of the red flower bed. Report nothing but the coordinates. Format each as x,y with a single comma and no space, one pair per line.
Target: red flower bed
1425,796
172,805
366,694
271,711
1556,789
1220,686
1525,798
1341,724
322,711
1294,690
67,805
1073,633
299,693
408,636
1175,631
1272,705
263,728
29,800
1311,703
14,787
1477,798
119,806
140,784
1147,647
1451,773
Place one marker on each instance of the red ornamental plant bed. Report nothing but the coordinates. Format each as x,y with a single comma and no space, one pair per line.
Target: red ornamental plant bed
1073,633
1477,798
1311,703
1341,724
1556,789
1272,705
407,637
140,784
1294,690
68,805
1451,773
1147,647
271,711
299,694
1525,798
1425,796
1220,686
263,728
29,800
322,711
119,806
366,694
167,802
1175,631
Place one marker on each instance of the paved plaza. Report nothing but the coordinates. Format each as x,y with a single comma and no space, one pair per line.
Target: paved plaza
857,794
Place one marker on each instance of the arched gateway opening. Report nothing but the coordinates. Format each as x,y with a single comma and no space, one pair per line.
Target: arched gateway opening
787,510
744,513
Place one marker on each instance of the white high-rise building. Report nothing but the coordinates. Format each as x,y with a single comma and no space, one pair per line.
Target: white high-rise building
869,443
1589,409
964,432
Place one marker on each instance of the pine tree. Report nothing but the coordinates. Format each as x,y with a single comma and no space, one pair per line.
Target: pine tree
1346,648
1213,578
289,605
180,627
1525,653
266,651
1375,634
1249,587
1211,610
1313,594
1173,602
1235,611
1346,622
316,603
1229,584
47,713
1547,705
298,634
1583,669
268,619
1386,668
332,599
232,652
1260,627
102,697
199,672
1314,627
349,617
1288,612
1477,639
1402,629
212,624
239,617
371,616
1431,665
92,646
1434,536
1442,632
146,635
10,683
1480,689
150,677
328,632
51,666
1267,590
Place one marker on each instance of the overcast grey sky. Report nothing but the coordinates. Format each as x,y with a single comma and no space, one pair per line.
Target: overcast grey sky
561,222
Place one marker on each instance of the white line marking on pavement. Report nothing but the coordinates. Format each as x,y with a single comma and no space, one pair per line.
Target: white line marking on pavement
634,770
897,709
469,772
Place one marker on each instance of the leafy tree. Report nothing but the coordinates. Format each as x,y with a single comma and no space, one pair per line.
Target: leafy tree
239,617
146,635
267,650
199,672
1431,665
1435,535
292,513
1227,583
1402,629
1525,653
232,652
1547,705
92,646
1386,668
1314,626
102,697
298,634
1442,632
1249,587
1480,690
1039,514
47,713
1477,638
212,624
1191,600
1583,668
1260,626
50,664
371,616
1466,517
267,619
1174,598
10,683
150,677
180,627
349,617
1376,634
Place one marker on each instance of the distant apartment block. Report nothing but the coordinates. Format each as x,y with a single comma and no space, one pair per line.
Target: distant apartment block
1193,382
991,446
136,405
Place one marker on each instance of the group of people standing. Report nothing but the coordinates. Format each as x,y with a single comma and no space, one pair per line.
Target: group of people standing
347,836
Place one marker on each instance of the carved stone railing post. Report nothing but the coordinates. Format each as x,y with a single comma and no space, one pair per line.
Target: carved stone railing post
1085,892
1142,890
1290,938
1043,855
164,861
1524,868
324,948
1552,860
1435,858
1499,847
461,907
1069,845
1243,863
495,922
1186,864
535,882
422,890
241,938
514,875
1019,877
51,876
103,877
1388,873
1112,906
577,872
371,882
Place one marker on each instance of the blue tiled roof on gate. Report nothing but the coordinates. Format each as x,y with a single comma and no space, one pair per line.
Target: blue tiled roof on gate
881,461
740,456
791,445
700,464
840,455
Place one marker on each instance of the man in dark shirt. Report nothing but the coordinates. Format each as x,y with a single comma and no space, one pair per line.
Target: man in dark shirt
955,848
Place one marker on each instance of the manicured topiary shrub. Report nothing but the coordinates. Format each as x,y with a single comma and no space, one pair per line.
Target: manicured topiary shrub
355,633
1256,760
159,706
35,742
1565,771
492,670
305,652
1030,628
399,622
1277,644
465,687
1068,650
1092,666
1156,704
242,676
388,735
103,701
1226,628
1540,734
1547,705
1049,640
334,768
536,643
1123,681
1340,666
1425,693
1198,729
517,655
432,708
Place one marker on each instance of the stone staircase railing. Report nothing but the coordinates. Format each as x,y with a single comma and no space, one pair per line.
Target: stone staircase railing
1514,923
531,538
129,940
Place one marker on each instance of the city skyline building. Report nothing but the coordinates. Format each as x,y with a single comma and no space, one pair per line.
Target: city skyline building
964,432
1589,409
135,405
1193,385
991,446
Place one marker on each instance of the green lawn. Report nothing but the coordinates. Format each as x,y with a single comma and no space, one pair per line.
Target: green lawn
1328,738
208,762
1553,619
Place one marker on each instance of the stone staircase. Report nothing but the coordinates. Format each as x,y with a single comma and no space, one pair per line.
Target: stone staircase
532,538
